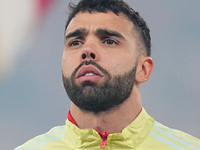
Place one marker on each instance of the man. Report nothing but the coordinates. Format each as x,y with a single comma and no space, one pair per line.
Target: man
106,57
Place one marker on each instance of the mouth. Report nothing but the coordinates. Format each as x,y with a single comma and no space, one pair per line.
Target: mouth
88,73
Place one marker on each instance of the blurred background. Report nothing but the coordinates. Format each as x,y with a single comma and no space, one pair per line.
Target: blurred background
32,99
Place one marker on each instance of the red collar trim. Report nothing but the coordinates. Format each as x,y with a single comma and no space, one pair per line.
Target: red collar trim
71,119
103,135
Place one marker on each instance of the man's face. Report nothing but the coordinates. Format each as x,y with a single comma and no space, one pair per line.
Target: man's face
99,60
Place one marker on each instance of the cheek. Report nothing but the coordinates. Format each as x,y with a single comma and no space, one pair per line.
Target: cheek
121,64
68,65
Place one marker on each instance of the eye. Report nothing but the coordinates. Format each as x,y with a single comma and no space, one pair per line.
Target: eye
75,43
110,42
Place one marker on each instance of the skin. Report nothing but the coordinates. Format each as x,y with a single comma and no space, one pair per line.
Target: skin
115,54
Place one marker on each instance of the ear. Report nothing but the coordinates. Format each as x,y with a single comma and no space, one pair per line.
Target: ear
144,69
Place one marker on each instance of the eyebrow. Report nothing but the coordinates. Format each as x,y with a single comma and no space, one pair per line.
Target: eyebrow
99,32
76,33
110,33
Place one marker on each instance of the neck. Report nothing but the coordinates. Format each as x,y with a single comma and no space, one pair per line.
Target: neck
112,121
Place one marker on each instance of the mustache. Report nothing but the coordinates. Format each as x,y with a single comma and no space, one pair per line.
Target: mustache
91,62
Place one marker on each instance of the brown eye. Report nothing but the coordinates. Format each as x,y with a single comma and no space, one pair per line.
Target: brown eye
110,42
75,43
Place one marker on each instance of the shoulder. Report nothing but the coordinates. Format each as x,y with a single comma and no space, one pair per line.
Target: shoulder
42,142
174,138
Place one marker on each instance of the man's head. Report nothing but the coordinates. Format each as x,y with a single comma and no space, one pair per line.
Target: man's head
105,55
117,7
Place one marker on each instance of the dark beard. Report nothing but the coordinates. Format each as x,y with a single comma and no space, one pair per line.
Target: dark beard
91,97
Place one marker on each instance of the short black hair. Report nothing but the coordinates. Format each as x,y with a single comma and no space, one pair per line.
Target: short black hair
116,6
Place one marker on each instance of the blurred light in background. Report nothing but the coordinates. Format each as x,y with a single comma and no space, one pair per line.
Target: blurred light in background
20,21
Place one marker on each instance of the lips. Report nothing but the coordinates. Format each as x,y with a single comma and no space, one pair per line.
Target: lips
88,73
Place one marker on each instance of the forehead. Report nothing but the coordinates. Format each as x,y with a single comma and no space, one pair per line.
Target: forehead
93,21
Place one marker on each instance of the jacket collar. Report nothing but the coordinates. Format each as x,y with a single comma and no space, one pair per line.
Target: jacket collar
130,137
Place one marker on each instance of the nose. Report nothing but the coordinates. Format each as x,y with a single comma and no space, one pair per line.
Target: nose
89,54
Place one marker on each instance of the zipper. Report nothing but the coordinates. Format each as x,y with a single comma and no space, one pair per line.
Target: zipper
104,140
